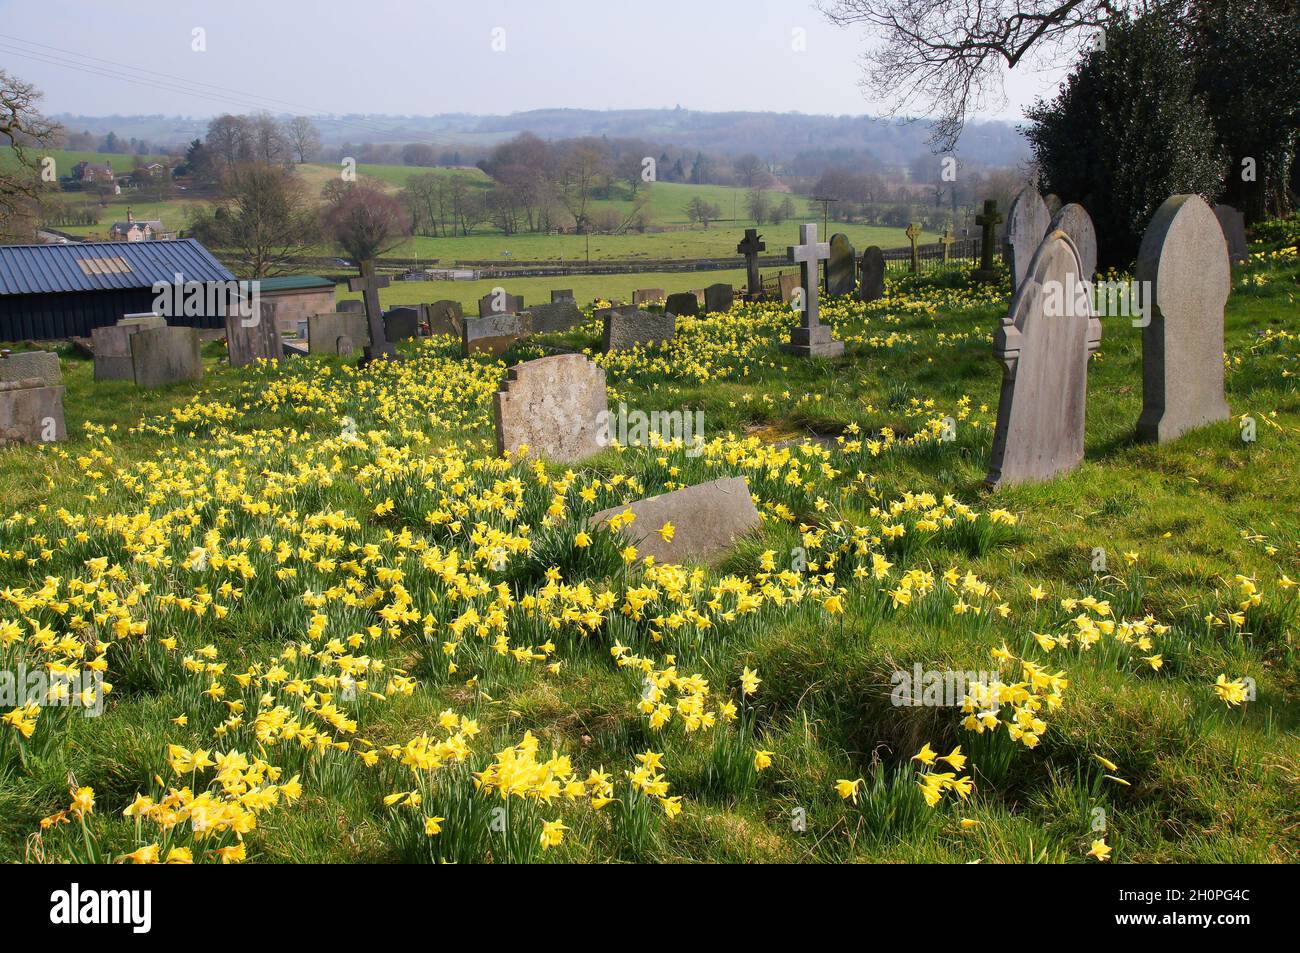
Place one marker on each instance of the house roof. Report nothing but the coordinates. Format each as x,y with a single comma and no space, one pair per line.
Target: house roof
105,266
294,283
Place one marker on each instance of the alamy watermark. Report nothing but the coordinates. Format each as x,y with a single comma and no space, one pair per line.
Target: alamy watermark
939,688
633,428
25,686
1075,297
181,298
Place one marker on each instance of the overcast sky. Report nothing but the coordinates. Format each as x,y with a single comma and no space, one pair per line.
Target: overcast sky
402,57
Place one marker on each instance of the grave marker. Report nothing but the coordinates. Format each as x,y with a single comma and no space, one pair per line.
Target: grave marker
683,302
840,266
369,284
325,330
750,246
445,317
1027,223
719,297
707,518
556,406
647,296
164,356
402,323
495,333
913,234
988,220
248,340
1233,224
811,338
626,328
871,286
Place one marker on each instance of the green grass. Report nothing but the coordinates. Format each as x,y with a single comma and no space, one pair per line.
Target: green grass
1207,784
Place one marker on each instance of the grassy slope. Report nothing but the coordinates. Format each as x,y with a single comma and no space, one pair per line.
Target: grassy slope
1206,785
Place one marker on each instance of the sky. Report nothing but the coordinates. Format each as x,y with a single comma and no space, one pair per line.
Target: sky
423,57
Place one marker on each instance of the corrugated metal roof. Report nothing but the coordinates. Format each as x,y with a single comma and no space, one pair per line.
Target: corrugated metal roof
294,283
104,266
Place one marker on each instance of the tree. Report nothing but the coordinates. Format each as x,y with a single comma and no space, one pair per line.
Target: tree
270,141
304,138
365,222
701,211
783,212
751,170
1125,132
263,220
229,141
23,127
759,206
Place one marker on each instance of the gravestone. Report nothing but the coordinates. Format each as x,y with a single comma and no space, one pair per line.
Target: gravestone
1027,223
248,340
1044,355
626,328
707,518
811,338
647,296
31,411
913,234
871,285
42,366
1053,203
565,294
164,356
718,297
1233,224
499,303
324,331
988,220
495,333
557,316
380,348
839,267
445,317
344,346
112,346
788,284
750,246
683,302
555,405
946,241
1186,262
351,306
401,324
1075,221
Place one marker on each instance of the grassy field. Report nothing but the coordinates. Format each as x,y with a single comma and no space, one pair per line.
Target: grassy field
332,600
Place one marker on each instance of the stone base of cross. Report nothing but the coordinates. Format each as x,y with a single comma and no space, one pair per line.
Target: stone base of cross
813,342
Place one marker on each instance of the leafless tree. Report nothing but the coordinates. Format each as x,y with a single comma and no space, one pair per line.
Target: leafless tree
365,223
304,138
24,129
263,220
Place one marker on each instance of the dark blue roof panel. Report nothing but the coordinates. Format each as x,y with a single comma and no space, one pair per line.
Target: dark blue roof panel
104,266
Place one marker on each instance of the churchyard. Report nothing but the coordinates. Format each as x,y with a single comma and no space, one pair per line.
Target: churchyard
961,573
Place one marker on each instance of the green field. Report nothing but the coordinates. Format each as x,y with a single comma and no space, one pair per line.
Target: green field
327,579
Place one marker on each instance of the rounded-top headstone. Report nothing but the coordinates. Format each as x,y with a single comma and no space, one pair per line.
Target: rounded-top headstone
1074,220
1027,224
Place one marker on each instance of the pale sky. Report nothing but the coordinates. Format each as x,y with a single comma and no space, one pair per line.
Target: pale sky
405,57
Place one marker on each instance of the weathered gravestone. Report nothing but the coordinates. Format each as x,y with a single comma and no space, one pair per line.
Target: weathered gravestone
31,411
556,406
1053,203
555,317
1233,224
499,302
840,266
750,246
401,324
1185,259
352,306
871,286
112,346
1075,221
1027,223
369,283
1044,359
495,333
683,302
628,327
913,234
718,297
789,284
247,339
324,331
163,356
42,366
707,518
647,296
988,220
445,317
811,338
564,294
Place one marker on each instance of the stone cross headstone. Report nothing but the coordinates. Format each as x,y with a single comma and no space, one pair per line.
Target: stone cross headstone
840,266
163,356
495,333
1185,259
988,220
248,340
811,338
647,296
719,297
683,303
556,406
445,317
750,246
708,519
401,324
913,234
325,330
495,302
1044,355
1075,221
626,328
1233,224
1027,223
947,239
369,284
871,286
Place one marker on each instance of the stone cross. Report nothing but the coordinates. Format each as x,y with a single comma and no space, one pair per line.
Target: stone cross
750,246
810,339
369,284
913,233
989,220
947,239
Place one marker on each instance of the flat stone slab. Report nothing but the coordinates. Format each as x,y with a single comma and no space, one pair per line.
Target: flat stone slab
707,519
1185,258
112,346
164,356
556,406
683,302
494,334
326,330
626,328
27,365
31,414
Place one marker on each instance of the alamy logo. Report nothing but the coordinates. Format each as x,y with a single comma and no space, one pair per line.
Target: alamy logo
939,688
1106,299
76,906
633,428
22,686
181,298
